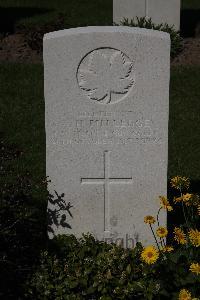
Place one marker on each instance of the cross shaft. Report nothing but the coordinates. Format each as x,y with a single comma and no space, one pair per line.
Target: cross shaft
106,181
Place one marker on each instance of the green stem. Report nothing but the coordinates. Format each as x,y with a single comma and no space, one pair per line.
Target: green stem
164,243
155,237
158,216
161,240
183,209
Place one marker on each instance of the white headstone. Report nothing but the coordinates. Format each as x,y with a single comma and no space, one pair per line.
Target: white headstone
161,11
106,98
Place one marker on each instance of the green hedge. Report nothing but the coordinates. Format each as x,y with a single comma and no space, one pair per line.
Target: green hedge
176,40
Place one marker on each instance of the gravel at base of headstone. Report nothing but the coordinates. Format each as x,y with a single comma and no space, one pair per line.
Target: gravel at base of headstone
106,108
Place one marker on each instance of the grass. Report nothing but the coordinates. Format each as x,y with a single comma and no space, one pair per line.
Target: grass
190,4
22,117
184,133
76,13
22,114
38,12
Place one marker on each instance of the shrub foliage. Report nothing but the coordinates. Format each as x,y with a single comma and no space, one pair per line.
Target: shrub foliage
22,224
89,269
176,40
33,267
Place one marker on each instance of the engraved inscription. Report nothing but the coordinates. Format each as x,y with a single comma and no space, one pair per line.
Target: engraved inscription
106,75
107,128
106,181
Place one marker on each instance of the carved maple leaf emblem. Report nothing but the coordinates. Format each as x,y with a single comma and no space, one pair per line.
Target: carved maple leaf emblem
106,76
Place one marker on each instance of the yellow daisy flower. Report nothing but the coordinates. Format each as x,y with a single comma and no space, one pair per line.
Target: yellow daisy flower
195,268
194,236
167,249
179,236
150,255
179,182
178,199
162,231
164,203
195,199
191,199
198,210
187,197
185,295
149,220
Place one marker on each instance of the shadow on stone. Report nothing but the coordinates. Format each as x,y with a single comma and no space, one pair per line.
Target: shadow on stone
9,16
57,213
190,23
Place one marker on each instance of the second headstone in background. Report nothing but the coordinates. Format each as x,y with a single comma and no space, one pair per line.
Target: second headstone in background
160,11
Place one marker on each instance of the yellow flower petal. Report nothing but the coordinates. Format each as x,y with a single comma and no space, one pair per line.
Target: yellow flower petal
195,268
164,203
150,255
198,210
180,183
167,249
162,231
194,236
149,220
179,236
185,295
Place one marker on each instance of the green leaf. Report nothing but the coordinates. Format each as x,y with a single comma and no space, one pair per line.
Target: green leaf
128,269
91,290
100,287
73,284
105,298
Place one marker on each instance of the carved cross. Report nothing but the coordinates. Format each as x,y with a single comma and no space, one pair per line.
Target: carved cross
106,180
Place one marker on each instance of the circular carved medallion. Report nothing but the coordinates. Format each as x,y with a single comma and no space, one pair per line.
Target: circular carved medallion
106,75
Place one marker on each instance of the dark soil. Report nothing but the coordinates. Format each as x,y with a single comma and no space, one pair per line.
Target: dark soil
14,48
25,45
17,48
190,54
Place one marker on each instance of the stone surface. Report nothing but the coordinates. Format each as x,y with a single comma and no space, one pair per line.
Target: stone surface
161,11
106,102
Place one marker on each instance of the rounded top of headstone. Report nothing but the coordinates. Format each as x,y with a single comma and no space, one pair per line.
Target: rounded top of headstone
106,29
